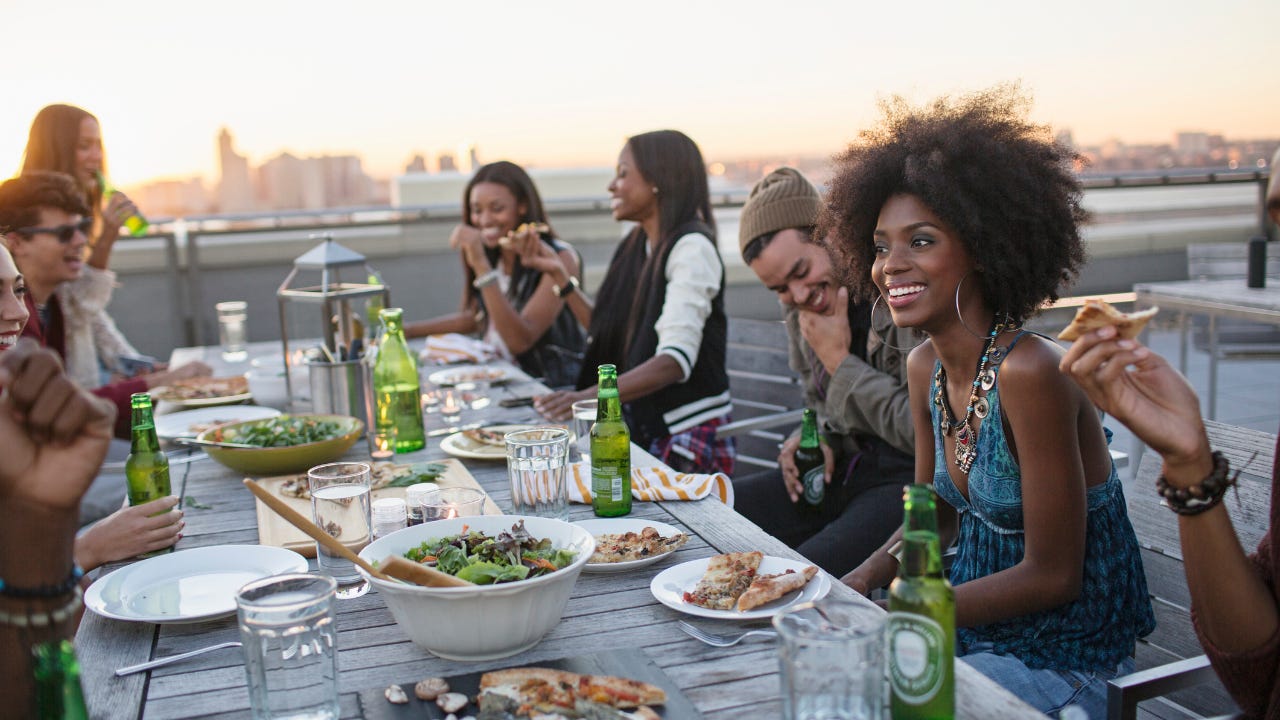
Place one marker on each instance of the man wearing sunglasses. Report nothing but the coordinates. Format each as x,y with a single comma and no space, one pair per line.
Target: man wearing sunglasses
48,220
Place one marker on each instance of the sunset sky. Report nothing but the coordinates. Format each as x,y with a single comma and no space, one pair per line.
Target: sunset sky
563,83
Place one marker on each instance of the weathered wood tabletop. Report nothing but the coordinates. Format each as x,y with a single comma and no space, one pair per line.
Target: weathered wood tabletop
606,612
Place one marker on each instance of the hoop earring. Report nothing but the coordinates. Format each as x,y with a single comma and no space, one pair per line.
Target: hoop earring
879,338
1004,318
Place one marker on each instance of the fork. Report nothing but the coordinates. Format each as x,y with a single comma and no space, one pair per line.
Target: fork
717,640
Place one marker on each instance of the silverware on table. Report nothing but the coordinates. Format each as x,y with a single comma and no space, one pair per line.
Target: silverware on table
158,662
453,429
718,640
118,465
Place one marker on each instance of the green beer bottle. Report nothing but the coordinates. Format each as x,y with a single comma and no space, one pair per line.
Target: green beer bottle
396,388
810,463
610,450
146,470
135,224
921,629
57,678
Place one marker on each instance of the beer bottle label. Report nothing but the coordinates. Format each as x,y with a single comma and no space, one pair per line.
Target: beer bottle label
607,480
815,487
916,645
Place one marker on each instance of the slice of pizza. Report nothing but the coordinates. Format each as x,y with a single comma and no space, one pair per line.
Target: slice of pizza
537,692
767,588
624,547
296,487
1095,314
726,578
485,436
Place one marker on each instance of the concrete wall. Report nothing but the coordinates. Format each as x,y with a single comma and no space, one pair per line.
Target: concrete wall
426,276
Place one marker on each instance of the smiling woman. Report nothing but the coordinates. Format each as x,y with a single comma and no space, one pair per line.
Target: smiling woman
13,306
964,217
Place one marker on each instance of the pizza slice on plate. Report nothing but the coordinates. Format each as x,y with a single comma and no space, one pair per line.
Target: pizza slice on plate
486,437
767,588
624,547
545,692
727,577
1095,314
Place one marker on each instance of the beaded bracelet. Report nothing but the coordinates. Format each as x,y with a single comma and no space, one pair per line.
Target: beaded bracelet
44,619
486,279
44,591
1203,495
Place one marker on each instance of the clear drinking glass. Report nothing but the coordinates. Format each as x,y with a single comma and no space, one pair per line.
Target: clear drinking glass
452,502
290,646
584,416
233,333
830,660
537,461
340,504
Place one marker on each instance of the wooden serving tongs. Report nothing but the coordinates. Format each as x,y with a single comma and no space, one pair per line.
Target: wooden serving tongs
393,567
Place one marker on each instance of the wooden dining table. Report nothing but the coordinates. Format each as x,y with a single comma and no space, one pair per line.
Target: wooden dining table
613,612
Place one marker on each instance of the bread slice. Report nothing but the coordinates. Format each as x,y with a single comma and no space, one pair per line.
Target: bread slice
1095,314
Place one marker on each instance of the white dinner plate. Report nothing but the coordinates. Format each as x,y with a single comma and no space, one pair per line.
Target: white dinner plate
461,446
467,374
178,424
602,526
670,585
189,585
209,401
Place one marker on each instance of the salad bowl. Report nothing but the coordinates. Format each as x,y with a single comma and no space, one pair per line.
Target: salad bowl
481,622
289,456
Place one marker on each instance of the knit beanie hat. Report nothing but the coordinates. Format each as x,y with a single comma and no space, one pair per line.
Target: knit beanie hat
783,199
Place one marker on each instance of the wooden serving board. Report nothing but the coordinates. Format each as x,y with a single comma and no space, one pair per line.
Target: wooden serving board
275,530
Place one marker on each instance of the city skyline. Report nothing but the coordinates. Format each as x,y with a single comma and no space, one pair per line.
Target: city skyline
563,84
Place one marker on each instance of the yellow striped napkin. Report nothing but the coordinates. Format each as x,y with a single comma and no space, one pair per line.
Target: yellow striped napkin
657,483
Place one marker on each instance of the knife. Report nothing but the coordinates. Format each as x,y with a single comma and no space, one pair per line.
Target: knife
453,429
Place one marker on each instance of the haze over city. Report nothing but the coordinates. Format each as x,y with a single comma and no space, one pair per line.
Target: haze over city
562,84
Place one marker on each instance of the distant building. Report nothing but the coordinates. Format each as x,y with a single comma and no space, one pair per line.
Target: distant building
418,164
445,163
174,198
235,194
553,184
287,182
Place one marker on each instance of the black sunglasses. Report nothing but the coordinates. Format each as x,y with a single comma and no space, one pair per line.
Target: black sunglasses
64,233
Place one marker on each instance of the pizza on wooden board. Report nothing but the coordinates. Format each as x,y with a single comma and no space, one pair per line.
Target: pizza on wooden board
1095,314
538,692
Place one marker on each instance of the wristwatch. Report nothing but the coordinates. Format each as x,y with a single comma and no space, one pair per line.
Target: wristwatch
563,292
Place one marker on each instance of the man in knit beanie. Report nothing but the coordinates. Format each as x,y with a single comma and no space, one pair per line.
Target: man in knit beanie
853,378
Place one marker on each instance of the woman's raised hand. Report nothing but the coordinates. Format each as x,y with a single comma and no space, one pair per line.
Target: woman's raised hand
536,254
1140,389
468,241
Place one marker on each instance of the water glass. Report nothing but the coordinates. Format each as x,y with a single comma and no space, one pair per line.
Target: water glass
537,461
452,502
233,333
290,646
831,662
584,416
340,504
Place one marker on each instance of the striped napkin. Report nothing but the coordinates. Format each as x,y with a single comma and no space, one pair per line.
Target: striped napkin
656,483
454,347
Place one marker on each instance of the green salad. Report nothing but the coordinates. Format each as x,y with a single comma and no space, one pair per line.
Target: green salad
484,560
281,431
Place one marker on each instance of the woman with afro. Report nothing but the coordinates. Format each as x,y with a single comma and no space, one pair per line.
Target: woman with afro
961,218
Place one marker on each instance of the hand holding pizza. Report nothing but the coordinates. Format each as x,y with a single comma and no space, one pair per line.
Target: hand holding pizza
470,242
1140,389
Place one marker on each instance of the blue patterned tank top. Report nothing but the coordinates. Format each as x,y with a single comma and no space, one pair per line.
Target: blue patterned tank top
1097,629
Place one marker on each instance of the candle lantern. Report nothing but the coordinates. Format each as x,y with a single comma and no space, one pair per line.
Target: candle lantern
341,331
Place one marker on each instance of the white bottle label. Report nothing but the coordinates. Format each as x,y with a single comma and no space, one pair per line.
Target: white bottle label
916,645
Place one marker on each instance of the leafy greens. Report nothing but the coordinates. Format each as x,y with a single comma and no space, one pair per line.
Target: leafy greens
484,560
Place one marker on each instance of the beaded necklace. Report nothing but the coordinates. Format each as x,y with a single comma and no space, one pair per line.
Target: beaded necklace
966,447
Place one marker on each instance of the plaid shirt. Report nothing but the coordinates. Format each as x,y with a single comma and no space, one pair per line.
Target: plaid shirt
697,450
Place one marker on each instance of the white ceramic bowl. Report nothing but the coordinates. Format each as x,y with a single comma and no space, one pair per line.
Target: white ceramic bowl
485,621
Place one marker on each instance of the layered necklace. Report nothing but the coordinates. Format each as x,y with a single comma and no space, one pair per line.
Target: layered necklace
966,445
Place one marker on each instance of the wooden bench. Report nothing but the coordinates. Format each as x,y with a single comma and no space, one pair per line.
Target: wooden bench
767,398
1174,639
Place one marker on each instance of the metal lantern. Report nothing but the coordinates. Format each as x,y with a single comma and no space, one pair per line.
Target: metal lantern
333,293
